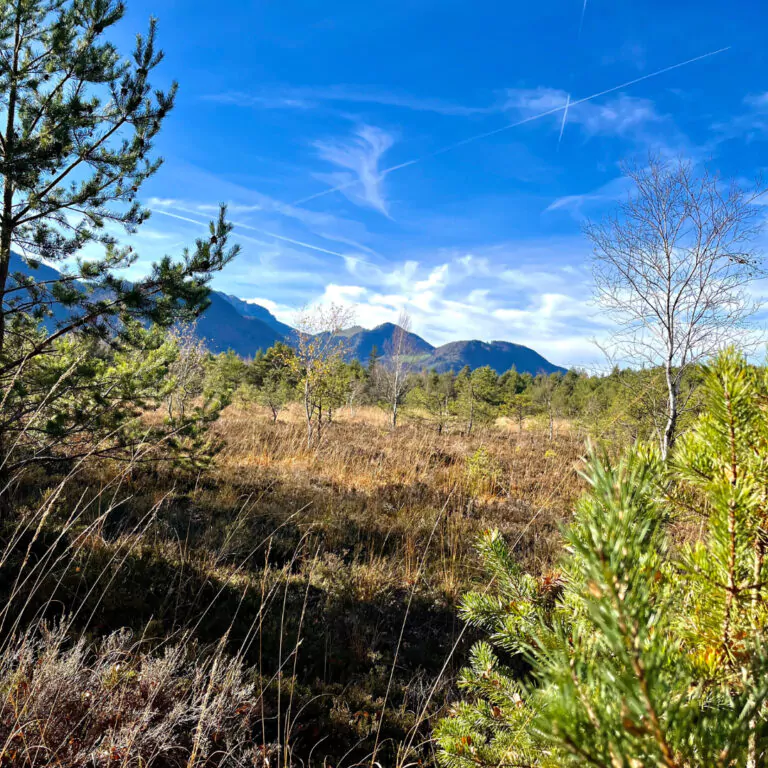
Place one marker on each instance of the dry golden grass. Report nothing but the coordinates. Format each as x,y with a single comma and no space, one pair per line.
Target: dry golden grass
390,486
334,572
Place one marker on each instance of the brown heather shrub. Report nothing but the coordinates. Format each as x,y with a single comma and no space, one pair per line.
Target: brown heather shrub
111,704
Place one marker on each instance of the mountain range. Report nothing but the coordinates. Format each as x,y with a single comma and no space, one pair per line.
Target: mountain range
245,327
257,328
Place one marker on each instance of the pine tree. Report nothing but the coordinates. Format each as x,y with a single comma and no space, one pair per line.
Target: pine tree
434,395
640,650
477,392
77,134
373,360
76,145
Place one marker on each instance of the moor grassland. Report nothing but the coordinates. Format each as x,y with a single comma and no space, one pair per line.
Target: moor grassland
332,575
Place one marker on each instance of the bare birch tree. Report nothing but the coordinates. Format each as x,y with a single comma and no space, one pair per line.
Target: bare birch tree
188,369
672,268
397,364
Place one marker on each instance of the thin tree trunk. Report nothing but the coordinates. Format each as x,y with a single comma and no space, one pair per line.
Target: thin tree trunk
6,218
757,576
308,411
670,430
6,221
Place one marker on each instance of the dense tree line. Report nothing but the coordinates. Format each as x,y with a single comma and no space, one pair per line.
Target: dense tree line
620,404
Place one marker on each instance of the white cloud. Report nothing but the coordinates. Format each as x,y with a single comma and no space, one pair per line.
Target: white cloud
758,101
265,100
534,101
622,116
435,279
361,180
611,192
749,125
547,309
282,312
343,294
162,202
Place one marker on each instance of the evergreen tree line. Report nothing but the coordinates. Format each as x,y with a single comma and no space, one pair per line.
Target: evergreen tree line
621,404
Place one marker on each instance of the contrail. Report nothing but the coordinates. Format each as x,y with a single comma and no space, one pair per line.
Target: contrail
583,12
565,117
269,234
180,218
302,244
509,126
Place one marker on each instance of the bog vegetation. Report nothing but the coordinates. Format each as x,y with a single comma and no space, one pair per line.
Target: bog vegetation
301,559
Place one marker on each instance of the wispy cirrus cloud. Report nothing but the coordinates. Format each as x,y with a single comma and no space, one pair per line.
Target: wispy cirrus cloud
250,208
750,124
185,210
361,179
578,204
541,103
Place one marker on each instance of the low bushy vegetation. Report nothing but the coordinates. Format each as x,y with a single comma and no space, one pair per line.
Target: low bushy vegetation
71,703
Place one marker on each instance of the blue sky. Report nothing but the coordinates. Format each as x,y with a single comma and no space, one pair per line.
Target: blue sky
413,154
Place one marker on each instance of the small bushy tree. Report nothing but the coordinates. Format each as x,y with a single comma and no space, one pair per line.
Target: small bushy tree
515,395
187,371
544,395
318,350
476,394
640,650
274,394
433,394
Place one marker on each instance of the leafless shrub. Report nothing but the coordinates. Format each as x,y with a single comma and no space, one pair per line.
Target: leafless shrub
397,364
187,372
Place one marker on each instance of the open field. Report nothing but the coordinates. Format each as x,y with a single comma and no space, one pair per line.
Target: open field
333,573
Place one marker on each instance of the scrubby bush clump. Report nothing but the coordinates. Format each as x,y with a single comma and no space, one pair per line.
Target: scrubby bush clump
644,649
